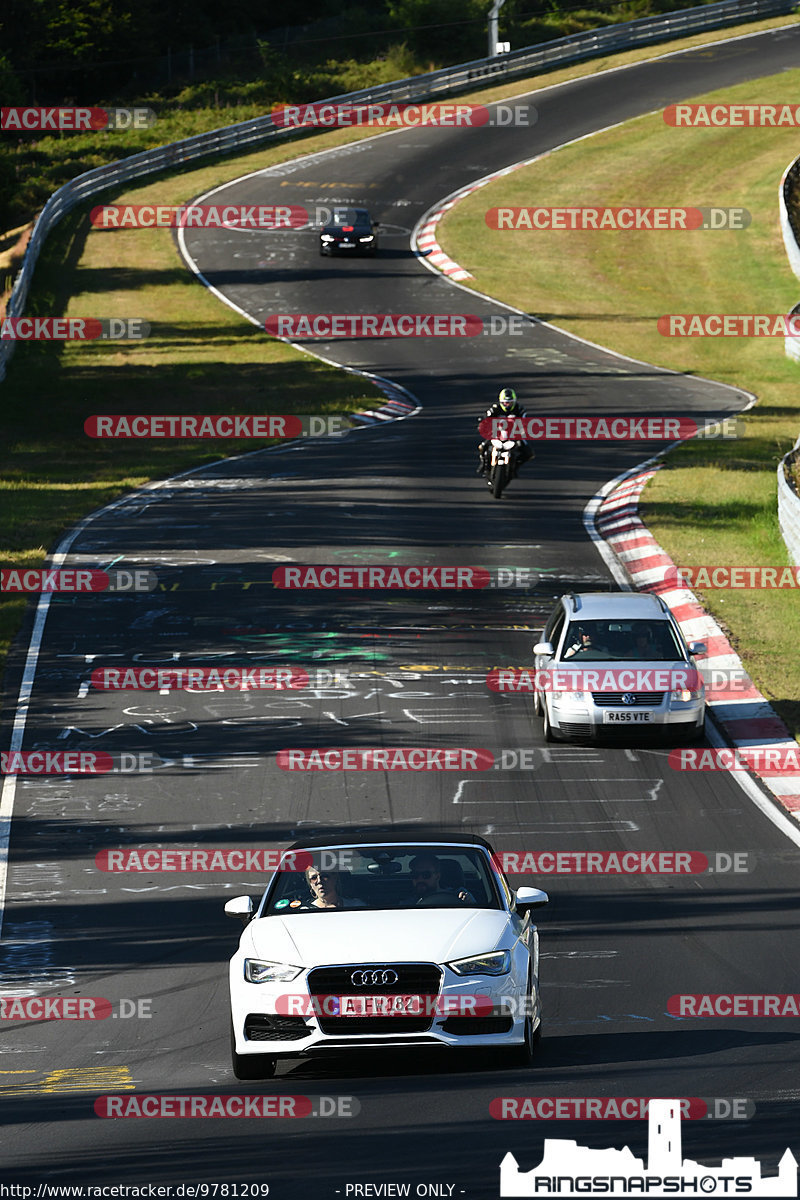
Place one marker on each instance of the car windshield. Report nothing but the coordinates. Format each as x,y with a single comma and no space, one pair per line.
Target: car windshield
639,641
382,877
351,216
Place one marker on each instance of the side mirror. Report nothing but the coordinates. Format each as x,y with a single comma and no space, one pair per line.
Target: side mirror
543,648
240,906
697,648
376,224
526,898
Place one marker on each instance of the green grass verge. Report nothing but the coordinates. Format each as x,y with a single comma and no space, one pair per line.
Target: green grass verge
713,502
201,356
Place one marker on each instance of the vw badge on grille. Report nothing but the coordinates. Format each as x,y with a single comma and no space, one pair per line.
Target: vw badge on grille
629,698
384,977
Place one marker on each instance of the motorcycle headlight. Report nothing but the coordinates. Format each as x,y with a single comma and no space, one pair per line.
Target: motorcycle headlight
258,971
496,962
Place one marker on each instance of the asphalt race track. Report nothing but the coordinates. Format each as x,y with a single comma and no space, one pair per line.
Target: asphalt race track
411,672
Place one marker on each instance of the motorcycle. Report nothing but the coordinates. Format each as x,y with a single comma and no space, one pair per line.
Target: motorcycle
502,461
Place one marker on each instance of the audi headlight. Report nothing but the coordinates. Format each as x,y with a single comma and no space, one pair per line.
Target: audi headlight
371,238
496,962
258,971
326,237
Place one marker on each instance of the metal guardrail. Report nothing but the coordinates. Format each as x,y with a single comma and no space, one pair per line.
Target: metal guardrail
789,505
503,67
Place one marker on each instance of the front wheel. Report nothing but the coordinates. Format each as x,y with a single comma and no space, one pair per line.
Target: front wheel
547,728
251,1066
499,480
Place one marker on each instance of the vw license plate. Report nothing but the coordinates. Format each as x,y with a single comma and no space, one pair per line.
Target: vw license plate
380,1006
627,716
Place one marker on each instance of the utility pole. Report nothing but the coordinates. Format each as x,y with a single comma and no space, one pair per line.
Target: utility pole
493,26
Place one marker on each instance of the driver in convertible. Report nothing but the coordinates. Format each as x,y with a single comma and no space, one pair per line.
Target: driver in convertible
426,874
506,405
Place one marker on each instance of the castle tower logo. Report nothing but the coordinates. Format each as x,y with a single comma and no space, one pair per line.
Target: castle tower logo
568,1169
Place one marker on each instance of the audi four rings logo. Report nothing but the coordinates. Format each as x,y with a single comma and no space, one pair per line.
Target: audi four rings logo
374,978
628,698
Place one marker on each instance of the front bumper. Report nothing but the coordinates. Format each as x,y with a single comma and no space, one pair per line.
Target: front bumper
261,1025
588,718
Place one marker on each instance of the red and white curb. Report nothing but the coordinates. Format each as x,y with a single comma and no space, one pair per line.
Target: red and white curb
423,238
748,721
399,403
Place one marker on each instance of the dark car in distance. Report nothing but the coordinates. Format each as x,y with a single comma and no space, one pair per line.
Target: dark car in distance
349,231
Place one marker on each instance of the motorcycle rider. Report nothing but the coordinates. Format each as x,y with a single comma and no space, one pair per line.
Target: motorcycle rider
506,405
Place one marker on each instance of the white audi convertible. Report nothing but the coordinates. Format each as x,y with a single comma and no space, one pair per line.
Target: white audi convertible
384,943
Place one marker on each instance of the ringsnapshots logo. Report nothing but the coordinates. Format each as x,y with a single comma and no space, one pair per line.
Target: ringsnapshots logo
621,218
403,115
569,1170
73,120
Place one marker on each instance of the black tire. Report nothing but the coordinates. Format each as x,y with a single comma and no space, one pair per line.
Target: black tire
523,1056
547,728
251,1066
537,704
498,481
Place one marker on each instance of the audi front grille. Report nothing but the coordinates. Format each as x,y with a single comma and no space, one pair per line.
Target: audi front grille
412,979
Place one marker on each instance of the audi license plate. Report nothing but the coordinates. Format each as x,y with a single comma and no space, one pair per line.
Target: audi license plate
380,1006
626,716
